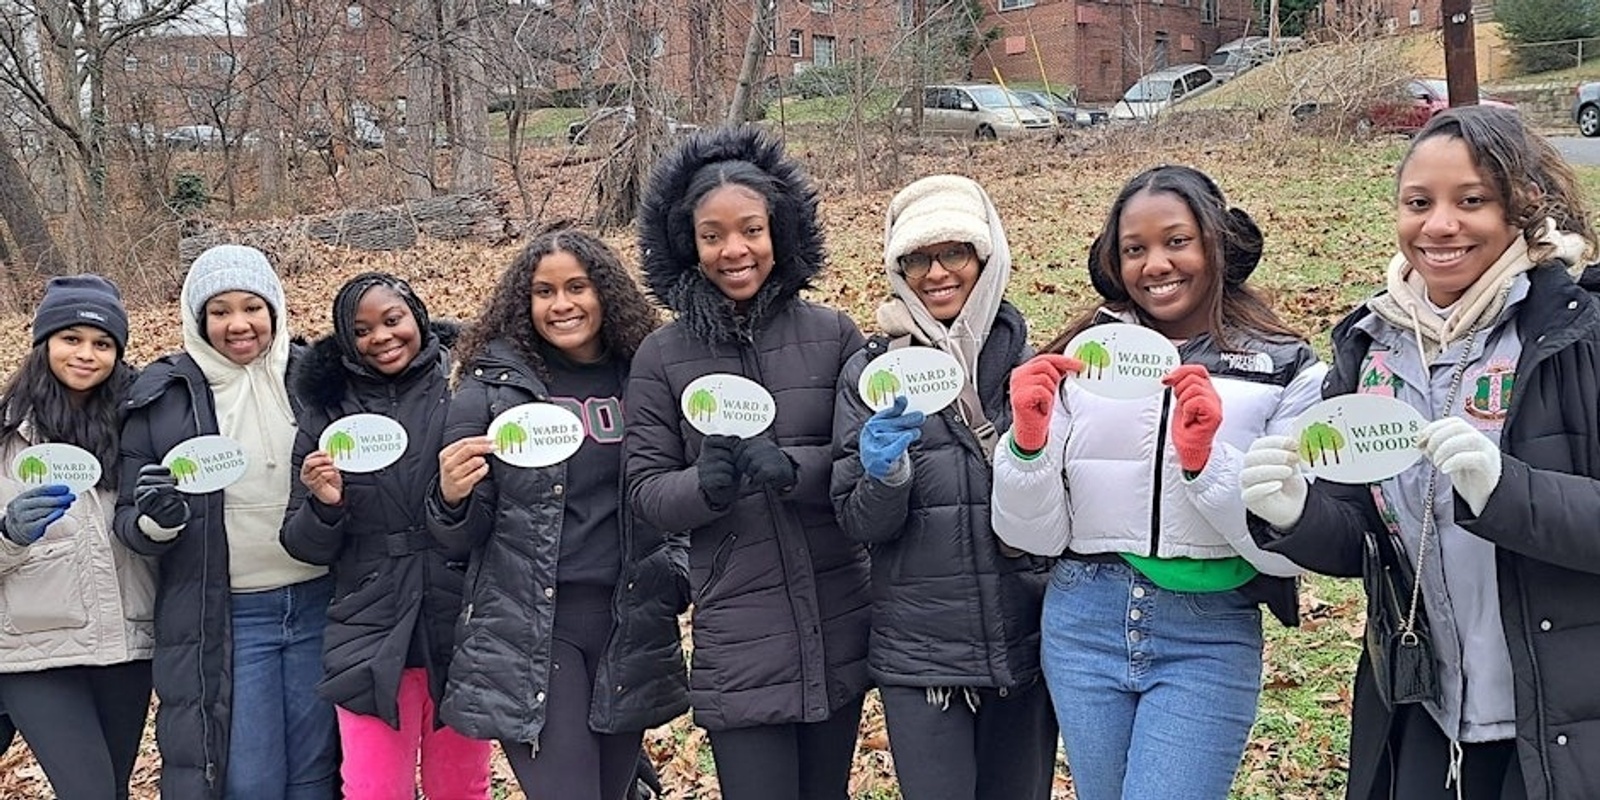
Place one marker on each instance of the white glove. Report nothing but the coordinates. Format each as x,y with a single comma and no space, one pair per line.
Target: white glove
1272,483
1466,455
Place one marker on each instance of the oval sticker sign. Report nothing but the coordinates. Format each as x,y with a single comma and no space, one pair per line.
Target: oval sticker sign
929,378
206,463
536,435
1122,361
52,462
1358,438
727,405
363,442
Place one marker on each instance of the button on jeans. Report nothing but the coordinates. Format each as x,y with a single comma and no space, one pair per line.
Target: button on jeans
1155,690
284,740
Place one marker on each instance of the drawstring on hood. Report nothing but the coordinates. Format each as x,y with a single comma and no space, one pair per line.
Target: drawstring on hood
671,261
929,211
1406,305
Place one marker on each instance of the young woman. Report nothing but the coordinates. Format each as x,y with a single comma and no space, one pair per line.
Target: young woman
729,232
239,629
1152,630
75,647
954,649
389,633
568,646
1498,518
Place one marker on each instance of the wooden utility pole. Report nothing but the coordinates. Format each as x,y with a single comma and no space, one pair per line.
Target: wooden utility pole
1460,53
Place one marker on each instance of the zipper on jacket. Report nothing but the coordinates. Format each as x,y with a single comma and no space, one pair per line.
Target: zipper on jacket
1156,484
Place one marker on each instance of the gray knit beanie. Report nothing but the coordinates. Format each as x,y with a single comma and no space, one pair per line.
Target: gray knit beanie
232,268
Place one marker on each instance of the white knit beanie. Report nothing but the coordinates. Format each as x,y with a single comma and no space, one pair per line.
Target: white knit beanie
232,268
938,208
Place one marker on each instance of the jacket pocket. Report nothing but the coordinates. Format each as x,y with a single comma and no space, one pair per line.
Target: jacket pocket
46,593
719,563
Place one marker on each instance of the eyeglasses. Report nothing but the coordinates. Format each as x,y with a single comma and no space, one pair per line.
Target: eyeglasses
954,258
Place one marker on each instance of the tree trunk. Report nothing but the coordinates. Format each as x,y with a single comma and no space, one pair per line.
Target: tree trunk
755,55
471,99
420,66
23,217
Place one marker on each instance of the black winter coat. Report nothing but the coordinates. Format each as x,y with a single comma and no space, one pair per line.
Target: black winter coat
1542,520
393,588
193,662
947,608
510,527
781,595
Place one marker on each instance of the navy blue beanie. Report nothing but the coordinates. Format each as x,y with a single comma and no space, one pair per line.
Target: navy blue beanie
81,300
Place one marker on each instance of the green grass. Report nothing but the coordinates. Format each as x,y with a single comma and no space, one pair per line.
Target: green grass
830,110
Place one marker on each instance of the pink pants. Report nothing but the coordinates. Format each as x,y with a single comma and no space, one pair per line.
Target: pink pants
380,763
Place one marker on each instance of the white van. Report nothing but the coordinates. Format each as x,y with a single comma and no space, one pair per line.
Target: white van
1152,93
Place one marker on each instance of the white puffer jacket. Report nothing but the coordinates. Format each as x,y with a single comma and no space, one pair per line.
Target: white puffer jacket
76,597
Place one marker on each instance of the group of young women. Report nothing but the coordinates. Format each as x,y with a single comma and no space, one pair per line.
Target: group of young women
1033,560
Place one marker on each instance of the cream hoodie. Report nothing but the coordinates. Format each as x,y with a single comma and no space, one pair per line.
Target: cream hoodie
252,404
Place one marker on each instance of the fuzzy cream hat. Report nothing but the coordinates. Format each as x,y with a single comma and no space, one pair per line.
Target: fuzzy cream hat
938,208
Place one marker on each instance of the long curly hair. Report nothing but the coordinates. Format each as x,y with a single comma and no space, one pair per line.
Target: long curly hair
1531,177
35,395
626,316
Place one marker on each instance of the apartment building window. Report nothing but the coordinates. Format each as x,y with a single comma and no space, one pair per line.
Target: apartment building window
1208,11
822,6
822,50
354,16
658,44
359,64
130,63
191,62
1007,5
907,7
797,40
163,60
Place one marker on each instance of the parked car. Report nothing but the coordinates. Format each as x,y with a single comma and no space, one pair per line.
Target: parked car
193,137
1245,53
977,110
363,133
1068,113
1153,93
1415,103
1586,108
578,132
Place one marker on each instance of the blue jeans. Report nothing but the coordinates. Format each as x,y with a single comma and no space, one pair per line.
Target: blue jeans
284,741
1155,690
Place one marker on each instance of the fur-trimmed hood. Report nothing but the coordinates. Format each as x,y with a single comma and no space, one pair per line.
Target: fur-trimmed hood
671,264
321,378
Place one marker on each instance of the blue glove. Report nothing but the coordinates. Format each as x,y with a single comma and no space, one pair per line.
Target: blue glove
886,437
29,513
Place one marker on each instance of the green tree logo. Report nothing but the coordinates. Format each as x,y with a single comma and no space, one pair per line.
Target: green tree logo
341,445
184,469
1318,440
882,387
32,470
510,438
1095,358
702,405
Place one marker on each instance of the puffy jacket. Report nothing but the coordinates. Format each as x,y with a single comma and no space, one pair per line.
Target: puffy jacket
393,589
1541,519
781,594
510,527
1109,480
76,597
947,608
193,661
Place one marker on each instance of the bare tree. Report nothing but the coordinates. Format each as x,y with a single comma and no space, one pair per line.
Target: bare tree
25,221
764,14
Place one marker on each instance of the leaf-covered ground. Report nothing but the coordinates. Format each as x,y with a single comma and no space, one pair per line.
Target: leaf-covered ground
1325,206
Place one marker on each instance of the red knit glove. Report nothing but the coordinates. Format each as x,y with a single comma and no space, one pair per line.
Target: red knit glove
1033,396
1198,416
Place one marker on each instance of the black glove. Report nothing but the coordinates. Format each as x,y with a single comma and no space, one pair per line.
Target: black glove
765,464
29,513
719,477
156,496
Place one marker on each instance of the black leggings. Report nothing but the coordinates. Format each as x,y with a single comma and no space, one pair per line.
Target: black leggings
800,761
83,724
1489,770
575,763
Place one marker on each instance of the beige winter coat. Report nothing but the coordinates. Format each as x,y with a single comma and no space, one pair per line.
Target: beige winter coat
76,597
